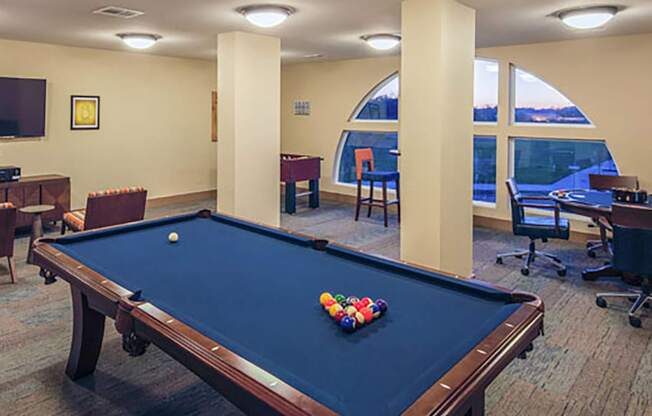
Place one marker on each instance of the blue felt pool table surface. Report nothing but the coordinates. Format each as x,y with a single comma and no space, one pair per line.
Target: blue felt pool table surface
256,291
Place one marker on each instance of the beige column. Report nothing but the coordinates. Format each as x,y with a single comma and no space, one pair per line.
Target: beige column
436,134
249,131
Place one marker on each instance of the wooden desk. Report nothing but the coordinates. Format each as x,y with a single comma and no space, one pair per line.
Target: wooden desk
38,190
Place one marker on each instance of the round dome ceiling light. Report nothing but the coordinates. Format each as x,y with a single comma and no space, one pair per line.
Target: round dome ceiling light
382,41
139,40
266,15
588,17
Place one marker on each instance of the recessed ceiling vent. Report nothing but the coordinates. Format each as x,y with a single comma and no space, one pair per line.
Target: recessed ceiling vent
116,11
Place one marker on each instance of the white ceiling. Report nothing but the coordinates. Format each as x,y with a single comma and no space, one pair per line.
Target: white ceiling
328,27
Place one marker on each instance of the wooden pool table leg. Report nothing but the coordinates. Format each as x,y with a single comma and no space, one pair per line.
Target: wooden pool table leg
477,405
87,335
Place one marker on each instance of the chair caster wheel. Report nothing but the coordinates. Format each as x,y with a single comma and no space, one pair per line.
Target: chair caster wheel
591,254
601,302
561,273
635,322
525,272
499,260
588,277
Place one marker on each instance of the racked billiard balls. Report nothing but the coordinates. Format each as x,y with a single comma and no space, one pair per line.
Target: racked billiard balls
339,298
334,309
348,324
382,304
324,297
339,315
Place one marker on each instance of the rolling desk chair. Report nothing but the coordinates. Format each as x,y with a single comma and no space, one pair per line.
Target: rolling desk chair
535,228
631,246
603,183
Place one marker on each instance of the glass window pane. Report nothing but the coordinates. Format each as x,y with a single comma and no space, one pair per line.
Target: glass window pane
485,92
484,169
381,143
538,102
382,104
541,166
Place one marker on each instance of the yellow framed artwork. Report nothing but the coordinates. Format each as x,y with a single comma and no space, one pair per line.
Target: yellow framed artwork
84,112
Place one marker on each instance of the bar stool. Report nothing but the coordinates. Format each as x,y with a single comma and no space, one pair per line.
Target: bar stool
366,157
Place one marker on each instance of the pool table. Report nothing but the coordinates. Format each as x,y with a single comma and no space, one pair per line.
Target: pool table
237,303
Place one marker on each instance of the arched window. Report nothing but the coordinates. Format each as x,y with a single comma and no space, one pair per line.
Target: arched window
536,102
381,103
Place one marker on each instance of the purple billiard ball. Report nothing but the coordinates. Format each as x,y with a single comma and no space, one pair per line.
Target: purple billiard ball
348,324
382,304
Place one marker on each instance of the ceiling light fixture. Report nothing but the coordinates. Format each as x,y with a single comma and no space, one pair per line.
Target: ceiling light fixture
139,40
587,18
266,15
382,41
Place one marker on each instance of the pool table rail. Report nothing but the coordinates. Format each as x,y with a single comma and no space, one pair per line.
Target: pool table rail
248,386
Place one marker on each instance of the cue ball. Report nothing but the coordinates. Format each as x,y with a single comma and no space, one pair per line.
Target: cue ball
173,237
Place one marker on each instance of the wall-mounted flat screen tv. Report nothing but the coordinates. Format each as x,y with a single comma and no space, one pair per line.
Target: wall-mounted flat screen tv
22,107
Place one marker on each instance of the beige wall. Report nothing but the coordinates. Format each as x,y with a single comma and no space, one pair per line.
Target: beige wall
608,78
155,119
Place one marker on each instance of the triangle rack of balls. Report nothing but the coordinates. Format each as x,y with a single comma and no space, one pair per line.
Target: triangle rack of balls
351,313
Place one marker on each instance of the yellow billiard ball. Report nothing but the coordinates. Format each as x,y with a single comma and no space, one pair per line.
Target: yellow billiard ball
173,237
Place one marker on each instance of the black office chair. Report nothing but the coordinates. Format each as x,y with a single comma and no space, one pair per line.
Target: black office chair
535,228
631,246
605,183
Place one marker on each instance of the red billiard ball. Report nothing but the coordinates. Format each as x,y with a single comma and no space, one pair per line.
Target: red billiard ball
359,305
368,315
366,301
329,303
339,315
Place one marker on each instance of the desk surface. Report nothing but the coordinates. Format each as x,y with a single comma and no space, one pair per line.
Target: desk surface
255,291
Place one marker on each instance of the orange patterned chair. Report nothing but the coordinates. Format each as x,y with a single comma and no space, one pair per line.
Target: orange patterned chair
7,234
106,208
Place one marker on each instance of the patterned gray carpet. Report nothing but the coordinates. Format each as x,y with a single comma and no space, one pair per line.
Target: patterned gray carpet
590,362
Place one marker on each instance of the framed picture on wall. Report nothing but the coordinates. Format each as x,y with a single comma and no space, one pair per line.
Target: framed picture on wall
84,112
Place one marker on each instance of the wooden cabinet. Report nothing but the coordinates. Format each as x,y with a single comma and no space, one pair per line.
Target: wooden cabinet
36,190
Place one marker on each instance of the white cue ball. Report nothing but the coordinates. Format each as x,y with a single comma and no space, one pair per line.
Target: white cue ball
173,237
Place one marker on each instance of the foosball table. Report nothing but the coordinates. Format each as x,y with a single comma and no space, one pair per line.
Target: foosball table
299,168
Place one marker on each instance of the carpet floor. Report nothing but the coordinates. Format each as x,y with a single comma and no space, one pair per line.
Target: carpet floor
590,361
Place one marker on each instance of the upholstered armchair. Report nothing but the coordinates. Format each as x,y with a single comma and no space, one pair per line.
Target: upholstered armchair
106,208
